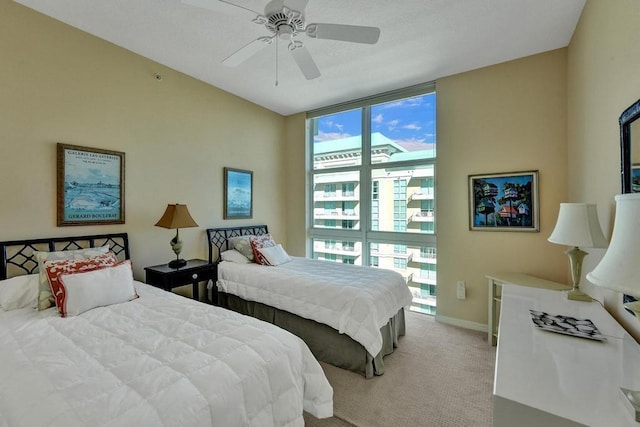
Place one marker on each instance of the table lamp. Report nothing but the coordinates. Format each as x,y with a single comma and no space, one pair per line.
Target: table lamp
619,269
176,216
578,225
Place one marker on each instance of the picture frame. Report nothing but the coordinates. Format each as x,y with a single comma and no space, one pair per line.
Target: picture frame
504,202
635,178
90,186
238,194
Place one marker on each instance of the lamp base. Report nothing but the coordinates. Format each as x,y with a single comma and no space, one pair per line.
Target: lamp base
577,295
177,263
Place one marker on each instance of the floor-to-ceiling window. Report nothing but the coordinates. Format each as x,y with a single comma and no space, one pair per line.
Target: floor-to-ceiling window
372,186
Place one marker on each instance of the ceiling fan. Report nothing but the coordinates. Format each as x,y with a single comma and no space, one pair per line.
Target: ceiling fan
285,20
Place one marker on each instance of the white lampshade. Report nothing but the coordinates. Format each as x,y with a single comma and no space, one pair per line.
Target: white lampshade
619,269
578,225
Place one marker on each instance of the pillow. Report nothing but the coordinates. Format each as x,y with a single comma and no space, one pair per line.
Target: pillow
45,298
97,288
54,269
275,255
18,292
242,244
234,256
259,242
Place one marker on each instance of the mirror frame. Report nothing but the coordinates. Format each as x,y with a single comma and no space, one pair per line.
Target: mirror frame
627,117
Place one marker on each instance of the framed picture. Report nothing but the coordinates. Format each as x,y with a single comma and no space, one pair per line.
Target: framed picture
635,178
90,186
504,202
238,194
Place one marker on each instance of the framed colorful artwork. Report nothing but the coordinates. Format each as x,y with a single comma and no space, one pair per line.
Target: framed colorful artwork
504,202
238,194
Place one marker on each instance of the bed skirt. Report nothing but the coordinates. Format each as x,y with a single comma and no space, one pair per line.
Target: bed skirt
326,343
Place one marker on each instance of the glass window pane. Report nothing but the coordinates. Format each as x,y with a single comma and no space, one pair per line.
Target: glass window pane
404,129
405,199
337,140
344,251
336,200
417,265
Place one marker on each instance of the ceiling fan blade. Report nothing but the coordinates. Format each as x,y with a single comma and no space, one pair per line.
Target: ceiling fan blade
247,51
298,5
347,33
306,63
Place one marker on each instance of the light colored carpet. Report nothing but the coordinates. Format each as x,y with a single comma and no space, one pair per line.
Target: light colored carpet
440,375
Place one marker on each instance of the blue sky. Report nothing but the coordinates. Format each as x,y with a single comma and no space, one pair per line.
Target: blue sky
410,122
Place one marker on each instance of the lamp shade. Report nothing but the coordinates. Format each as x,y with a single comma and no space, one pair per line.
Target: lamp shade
176,216
619,269
578,225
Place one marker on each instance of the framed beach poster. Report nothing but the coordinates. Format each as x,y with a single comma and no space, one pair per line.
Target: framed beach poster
90,186
504,202
238,194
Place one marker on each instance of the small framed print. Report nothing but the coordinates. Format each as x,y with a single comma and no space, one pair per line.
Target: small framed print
90,186
238,194
504,202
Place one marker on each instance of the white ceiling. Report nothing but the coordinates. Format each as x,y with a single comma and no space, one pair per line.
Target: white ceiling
420,41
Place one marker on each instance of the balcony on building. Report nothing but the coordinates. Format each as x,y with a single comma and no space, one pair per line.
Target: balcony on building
425,278
419,297
423,258
339,214
423,194
425,215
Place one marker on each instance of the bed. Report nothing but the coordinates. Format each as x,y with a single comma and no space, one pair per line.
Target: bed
349,316
157,359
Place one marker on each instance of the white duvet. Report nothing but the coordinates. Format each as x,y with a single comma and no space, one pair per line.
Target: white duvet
159,360
354,300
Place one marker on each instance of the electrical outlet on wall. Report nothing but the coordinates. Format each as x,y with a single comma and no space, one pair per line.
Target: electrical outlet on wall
461,290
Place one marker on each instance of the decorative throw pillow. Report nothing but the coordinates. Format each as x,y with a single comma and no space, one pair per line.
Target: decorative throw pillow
242,244
234,256
97,288
259,242
45,298
54,269
275,255
19,292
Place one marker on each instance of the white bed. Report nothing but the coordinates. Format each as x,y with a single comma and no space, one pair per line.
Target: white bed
354,300
322,302
159,359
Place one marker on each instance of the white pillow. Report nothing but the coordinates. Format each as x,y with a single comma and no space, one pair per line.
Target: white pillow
275,255
19,292
242,245
234,256
98,288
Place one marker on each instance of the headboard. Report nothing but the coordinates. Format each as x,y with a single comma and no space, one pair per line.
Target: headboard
18,256
218,237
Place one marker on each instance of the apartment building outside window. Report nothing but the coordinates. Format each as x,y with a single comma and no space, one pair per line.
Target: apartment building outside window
372,187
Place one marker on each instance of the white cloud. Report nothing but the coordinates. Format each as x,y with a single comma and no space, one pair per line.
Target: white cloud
412,126
329,136
378,119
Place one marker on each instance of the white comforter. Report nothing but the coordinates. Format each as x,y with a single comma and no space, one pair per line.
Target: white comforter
354,300
158,360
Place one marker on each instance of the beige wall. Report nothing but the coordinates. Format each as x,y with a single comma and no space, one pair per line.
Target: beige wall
62,85
504,118
603,80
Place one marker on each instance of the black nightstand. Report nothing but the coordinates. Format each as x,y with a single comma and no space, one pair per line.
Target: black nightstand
167,278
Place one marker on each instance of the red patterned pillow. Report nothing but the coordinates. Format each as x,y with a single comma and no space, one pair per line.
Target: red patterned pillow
55,269
259,242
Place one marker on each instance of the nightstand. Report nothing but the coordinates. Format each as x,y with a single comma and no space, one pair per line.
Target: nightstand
167,278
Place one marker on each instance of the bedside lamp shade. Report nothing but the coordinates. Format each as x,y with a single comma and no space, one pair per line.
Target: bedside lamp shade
619,269
176,216
578,225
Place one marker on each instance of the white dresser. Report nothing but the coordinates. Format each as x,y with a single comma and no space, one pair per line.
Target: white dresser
548,379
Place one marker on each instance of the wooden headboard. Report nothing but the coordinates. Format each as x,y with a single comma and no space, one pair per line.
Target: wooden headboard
18,256
218,237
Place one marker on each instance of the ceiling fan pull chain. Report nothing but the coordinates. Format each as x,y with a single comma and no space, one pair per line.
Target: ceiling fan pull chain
276,39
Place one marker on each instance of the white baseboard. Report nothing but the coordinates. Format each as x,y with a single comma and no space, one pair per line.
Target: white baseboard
462,323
